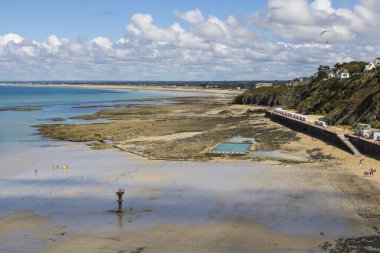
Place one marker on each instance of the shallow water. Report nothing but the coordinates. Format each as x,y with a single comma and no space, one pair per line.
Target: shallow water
231,148
279,155
161,191
82,196
16,132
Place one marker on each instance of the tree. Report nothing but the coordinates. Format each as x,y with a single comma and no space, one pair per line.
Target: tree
321,72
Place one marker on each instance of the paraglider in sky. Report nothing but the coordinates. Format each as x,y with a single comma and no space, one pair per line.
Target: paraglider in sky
324,33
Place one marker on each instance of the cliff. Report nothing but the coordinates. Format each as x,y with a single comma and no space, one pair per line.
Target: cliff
346,102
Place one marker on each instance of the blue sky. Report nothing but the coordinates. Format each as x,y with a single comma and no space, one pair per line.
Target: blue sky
38,19
174,40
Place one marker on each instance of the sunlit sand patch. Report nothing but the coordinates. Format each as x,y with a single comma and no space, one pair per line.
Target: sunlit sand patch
168,137
150,193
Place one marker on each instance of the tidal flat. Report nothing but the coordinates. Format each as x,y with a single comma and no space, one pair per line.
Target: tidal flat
184,129
61,197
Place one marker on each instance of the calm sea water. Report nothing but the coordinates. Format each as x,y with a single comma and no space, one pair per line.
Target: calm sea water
16,131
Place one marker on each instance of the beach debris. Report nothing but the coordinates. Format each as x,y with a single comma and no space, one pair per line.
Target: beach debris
370,172
364,244
138,250
225,112
119,194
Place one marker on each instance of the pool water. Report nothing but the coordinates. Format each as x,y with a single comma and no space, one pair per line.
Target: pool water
231,148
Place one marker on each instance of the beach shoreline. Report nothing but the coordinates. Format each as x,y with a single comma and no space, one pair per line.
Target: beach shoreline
243,203
61,196
135,87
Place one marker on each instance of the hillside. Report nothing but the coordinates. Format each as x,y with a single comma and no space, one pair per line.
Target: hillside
347,102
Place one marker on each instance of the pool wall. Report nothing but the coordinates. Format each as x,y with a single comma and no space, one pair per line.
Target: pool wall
233,146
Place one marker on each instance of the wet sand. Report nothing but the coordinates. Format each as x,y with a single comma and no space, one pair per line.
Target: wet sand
138,87
219,205
215,206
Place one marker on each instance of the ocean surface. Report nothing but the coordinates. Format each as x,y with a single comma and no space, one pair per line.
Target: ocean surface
16,127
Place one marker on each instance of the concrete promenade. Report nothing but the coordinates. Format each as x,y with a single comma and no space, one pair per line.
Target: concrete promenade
332,135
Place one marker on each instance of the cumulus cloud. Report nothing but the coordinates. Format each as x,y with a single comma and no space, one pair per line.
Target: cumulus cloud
209,48
10,38
301,21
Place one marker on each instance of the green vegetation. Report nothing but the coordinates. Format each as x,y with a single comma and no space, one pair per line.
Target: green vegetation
346,102
321,73
268,96
20,109
57,119
352,67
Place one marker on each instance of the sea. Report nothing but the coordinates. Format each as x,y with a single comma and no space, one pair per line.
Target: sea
16,127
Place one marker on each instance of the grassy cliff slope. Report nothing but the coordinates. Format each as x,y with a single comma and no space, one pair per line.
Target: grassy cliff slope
342,102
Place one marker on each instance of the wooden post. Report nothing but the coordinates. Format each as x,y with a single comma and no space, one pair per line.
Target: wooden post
120,200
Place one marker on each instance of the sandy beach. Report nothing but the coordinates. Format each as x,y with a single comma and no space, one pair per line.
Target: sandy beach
137,87
266,206
186,203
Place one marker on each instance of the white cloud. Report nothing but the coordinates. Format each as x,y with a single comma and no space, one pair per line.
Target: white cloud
142,25
301,21
102,42
192,16
206,48
322,6
10,38
289,12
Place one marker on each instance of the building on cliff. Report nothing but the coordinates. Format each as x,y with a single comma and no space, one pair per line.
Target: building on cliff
340,73
372,65
343,74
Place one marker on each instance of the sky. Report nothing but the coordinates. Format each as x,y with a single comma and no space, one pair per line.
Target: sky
183,39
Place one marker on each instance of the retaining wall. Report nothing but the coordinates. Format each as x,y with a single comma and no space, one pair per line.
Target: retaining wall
309,129
365,147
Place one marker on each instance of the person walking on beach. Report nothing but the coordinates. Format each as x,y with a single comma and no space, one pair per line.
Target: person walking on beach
361,162
35,172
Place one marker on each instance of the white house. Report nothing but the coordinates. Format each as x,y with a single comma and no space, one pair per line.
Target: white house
343,74
372,65
375,135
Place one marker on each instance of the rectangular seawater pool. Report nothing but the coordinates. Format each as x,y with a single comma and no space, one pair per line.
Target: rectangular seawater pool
231,148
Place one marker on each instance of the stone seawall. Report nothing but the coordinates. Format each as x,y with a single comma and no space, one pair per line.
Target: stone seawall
364,146
309,129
